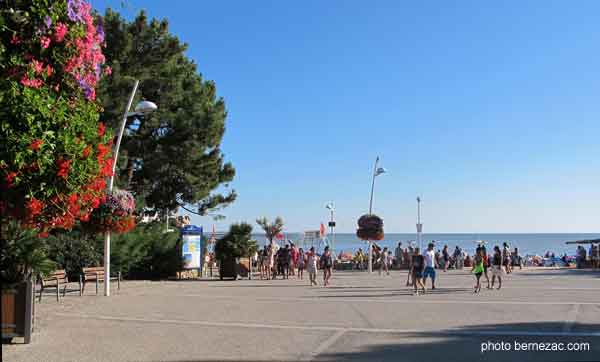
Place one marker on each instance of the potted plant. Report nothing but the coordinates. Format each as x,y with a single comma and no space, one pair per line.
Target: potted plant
116,214
22,258
234,245
370,228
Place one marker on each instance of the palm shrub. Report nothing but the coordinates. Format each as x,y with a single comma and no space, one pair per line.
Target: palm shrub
236,243
271,229
23,256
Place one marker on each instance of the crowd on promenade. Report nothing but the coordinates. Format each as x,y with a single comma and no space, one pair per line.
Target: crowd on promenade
287,261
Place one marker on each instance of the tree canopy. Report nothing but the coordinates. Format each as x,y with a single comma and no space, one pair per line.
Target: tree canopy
171,158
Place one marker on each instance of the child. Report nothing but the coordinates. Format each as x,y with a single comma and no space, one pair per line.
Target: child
477,269
300,263
312,266
497,267
417,267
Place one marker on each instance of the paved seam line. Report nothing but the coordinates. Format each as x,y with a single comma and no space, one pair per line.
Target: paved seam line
411,300
325,344
333,328
571,318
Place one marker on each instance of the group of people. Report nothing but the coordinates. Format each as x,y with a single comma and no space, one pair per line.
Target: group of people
274,261
383,259
581,256
422,266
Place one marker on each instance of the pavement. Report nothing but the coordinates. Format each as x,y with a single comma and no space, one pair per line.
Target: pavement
360,317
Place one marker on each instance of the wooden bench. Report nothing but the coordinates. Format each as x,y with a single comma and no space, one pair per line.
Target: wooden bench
96,274
55,280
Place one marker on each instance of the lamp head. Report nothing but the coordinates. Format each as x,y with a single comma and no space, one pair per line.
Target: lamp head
380,171
329,206
145,107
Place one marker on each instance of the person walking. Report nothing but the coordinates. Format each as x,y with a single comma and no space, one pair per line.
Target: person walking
486,265
497,267
446,257
311,266
416,271
430,264
506,258
326,265
398,254
384,261
457,258
477,269
300,263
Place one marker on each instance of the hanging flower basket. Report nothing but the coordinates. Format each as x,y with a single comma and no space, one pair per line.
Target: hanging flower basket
116,214
370,227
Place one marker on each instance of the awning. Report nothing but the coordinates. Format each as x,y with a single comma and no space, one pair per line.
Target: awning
595,241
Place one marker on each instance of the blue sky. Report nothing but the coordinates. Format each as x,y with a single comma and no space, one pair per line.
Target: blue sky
490,111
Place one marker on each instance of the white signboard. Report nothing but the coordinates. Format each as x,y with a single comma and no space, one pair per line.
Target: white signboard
192,251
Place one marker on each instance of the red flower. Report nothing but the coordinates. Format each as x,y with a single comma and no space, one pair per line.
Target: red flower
9,178
43,235
86,151
35,144
49,70
15,40
101,129
107,168
63,167
34,206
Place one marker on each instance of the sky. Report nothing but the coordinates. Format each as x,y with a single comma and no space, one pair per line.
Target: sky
488,110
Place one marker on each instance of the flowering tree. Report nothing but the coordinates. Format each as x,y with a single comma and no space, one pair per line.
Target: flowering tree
54,154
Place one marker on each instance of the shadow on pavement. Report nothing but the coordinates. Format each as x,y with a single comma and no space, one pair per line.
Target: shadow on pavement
465,344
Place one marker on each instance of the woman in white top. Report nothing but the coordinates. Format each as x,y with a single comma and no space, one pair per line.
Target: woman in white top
311,266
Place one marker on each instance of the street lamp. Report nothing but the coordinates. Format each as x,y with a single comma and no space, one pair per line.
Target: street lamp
376,172
331,209
419,225
141,109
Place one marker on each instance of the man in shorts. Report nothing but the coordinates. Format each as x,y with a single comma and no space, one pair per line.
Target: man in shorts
430,263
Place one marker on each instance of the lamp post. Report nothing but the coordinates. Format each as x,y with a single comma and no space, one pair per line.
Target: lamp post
376,172
331,209
142,108
419,225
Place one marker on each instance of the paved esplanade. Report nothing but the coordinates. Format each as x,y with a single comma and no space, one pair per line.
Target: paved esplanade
360,317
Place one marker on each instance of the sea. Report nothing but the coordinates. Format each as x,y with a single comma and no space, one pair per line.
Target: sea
528,244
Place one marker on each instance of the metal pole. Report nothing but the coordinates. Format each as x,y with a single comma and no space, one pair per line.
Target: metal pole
110,188
373,186
332,231
370,212
370,257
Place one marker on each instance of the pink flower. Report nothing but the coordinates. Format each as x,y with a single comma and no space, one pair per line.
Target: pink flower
60,30
15,40
45,41
108,70
49,70
32,83
38,66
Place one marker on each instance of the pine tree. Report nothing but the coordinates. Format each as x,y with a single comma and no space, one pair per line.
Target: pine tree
171,158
